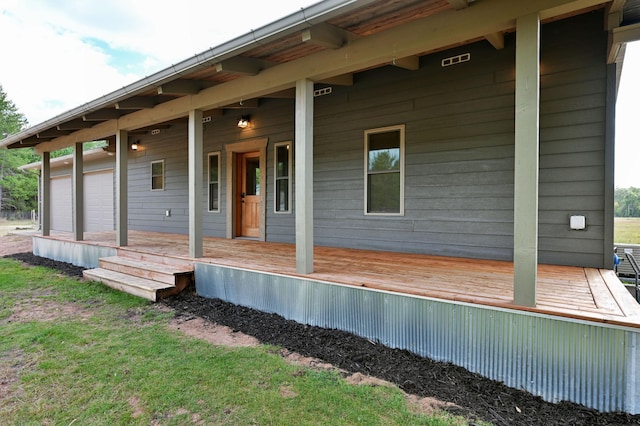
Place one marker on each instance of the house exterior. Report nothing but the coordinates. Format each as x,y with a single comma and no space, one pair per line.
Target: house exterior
481,130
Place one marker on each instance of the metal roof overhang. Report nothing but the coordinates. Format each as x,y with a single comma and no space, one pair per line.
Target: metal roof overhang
281,44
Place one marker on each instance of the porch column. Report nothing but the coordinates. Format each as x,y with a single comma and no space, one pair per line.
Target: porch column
122,193
525,218
78,193
304,176
45,194
195,183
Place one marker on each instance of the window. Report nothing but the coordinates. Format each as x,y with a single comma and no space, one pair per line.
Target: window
384,166
157,175
282,175
214,182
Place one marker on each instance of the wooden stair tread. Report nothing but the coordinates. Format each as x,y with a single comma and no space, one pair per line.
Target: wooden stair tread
147,265
128,280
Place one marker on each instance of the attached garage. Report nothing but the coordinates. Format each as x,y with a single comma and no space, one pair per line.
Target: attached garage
98,202
61,212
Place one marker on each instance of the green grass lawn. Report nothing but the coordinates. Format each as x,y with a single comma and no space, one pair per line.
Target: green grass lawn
627,230
74,352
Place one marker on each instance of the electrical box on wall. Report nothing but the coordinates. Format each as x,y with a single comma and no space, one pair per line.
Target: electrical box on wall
577,222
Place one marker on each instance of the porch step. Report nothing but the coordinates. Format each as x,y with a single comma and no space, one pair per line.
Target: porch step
167,274
156,258
142,287
142,275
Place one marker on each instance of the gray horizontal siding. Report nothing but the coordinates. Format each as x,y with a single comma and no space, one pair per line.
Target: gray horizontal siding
572,169
459,151
459,159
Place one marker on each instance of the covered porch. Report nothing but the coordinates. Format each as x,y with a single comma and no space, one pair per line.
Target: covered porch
572,292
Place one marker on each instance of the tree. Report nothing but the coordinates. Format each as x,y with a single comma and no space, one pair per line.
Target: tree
627,202
18,189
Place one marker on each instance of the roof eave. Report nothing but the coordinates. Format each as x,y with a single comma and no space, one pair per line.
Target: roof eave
318,12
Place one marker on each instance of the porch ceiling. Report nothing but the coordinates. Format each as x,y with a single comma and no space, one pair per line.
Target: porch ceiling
329,26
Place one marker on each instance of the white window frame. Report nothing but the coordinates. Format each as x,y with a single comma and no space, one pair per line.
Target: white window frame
211,154
289,177
401,129
164,172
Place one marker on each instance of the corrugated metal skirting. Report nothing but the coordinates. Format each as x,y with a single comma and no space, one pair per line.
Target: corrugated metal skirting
558,359
85,255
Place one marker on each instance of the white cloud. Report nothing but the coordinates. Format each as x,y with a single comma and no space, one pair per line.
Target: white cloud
628,120
57,55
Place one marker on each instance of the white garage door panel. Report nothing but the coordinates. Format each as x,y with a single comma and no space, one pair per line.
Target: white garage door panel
98,201
60,205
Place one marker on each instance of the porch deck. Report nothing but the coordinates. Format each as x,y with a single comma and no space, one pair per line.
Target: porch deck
571,292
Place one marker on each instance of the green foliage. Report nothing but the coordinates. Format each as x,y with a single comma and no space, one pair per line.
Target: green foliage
627,202
18,189
81,353
11,121
85,147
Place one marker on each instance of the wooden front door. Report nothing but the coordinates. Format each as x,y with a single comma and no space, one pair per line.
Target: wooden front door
249,187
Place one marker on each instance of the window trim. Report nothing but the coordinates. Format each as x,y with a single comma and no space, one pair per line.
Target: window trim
289,177
211,154
164,170
367,132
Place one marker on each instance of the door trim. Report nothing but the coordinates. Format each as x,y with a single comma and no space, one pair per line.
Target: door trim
259,145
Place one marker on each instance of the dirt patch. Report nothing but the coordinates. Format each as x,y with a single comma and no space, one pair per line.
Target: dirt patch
11,244
213,333
43,310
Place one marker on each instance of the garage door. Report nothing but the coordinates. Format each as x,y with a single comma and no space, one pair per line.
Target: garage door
98,201
60,205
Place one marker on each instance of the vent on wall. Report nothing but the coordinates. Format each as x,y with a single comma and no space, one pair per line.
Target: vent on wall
322,92
454,60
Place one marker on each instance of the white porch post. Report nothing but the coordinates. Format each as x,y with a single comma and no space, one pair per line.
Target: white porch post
525,226
304,176
45,194
78,193
195,183
122,194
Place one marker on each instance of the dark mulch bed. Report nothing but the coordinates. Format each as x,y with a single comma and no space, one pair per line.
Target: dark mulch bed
65,268
476,397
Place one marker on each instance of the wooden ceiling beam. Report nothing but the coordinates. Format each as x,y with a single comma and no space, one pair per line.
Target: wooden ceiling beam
180,87
240,65
138,102
411,63
325,35
75,125
52,133
619,36
338,80
102,115
496,39
244,104
458,4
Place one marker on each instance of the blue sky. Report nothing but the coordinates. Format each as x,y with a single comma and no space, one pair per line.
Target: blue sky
59,54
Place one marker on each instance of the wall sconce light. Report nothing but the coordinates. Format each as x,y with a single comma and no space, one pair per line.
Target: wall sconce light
134,145
243,122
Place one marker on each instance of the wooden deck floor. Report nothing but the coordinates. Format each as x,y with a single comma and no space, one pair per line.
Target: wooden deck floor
580,293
